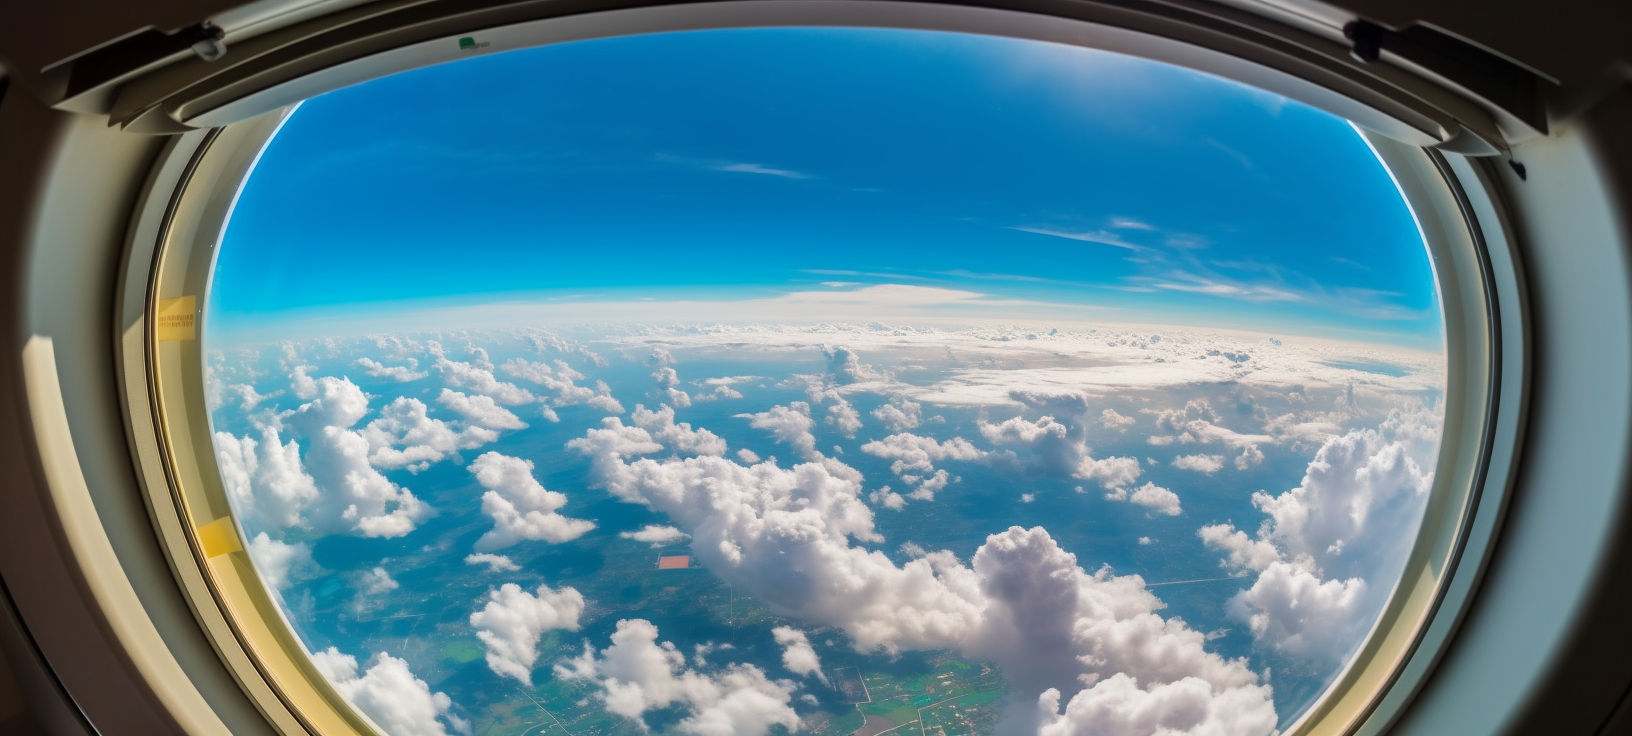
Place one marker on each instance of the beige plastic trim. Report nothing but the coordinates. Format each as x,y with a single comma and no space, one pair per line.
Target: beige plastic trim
94,555
164,373
1423,609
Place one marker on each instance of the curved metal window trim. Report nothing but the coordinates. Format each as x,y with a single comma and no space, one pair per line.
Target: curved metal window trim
1452,197
1280,47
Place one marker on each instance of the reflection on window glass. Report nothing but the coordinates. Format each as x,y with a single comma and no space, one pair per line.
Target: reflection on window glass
824,381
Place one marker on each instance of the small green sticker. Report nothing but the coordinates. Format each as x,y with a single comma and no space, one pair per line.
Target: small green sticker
467,43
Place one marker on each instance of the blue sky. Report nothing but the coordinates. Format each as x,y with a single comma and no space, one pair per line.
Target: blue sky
748,164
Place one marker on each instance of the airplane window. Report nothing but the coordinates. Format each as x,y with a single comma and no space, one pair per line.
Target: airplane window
836,381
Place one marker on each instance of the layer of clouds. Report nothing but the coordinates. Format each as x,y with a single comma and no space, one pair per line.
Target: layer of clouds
788,537
1097,360
389,694
513,620
520,506
637,674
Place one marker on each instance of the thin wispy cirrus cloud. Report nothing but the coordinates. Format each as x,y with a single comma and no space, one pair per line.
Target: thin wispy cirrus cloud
1128,223
1173,267
868,274
1102,237
1368,304
732,167
1194,284
758,169
886,301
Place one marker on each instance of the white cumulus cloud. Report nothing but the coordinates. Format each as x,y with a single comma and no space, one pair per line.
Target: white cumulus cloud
478,376
1111,472
637,674
402,373
513,620
279,563
561,382
656,535
405,435
911,452
1199,463
797,653
520,506
1327,551
1118,706
1110,419
844,367
1197,423
900,415
479,410
353,495
375,582
388,693
495,563
1150,496
1250,457
844,417
677,437
668,379
265,478
788,424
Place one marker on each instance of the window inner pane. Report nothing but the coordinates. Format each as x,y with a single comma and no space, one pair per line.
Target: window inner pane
819,380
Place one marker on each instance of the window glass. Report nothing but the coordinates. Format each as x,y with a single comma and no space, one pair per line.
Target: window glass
820,380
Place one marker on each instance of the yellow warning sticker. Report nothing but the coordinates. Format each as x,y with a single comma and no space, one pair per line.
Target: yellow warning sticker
219,537
177,319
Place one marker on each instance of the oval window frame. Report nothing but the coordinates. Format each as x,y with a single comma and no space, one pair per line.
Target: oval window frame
198,178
